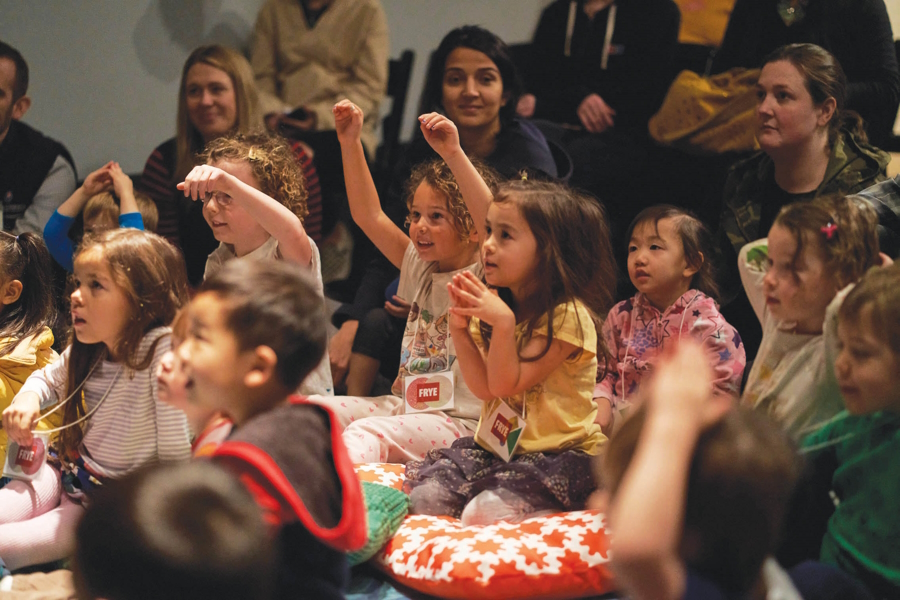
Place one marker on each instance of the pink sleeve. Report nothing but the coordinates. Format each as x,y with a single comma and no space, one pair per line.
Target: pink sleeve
724,347
612,333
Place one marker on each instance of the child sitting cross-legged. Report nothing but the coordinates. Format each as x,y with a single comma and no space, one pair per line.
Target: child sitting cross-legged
255,330
106,200
527,344
442,241
696,491
669,262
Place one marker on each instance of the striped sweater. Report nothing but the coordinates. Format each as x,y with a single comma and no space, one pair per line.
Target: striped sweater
132,427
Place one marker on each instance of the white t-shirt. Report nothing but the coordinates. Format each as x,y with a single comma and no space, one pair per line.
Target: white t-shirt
427,346
319,381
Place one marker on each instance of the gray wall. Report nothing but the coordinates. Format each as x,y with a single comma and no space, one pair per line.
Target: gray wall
104,73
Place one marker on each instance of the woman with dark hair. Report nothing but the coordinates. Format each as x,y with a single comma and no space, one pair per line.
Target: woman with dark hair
811,145
216,97
472,79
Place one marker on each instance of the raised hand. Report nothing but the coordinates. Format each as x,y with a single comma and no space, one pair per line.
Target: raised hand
475,299
683,383
98,181
121,182
441,134
206,179
348,121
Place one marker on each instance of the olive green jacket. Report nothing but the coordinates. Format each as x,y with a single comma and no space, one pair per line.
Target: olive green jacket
853,166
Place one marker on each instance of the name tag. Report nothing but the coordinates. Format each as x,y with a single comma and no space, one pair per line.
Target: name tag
429,392
502,430
24,463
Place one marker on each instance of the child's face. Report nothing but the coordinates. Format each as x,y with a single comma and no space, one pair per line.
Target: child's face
213,361
433,234
100,308
171,387
797,292
229,221
656,263
509,252
866,368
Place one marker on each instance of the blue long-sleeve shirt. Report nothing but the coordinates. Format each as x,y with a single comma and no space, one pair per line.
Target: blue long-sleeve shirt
56,235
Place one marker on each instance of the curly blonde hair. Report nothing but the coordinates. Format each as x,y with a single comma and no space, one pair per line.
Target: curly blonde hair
438,176
272,163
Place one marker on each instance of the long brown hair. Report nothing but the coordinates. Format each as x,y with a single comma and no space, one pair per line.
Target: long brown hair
188,141
151,274
574,256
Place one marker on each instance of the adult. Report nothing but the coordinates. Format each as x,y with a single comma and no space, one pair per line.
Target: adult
810,145
473,80
600,69
307,55
216,97
37,173
858,33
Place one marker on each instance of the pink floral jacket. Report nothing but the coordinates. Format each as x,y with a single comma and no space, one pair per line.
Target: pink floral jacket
636,333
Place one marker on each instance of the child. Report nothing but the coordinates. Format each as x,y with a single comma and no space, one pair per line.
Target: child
442,241
210,427
132,543
26,284
255,331
527,349
697,491
254,200
859,452
129,284
101,211
814,249
668,263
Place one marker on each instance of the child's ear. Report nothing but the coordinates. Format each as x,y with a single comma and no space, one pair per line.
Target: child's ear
473,236
262,367
691,270
11,292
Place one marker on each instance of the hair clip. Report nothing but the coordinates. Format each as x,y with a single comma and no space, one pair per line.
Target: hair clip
829,230
254,154
524,175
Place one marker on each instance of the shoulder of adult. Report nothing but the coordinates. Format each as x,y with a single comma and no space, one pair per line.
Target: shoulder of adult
32,142
854,165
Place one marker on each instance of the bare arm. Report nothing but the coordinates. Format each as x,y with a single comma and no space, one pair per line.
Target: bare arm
506,373
365,206
648,509
469,356
441,133
271,215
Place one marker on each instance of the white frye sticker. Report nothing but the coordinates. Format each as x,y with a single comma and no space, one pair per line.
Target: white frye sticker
426,393
23,462
501,430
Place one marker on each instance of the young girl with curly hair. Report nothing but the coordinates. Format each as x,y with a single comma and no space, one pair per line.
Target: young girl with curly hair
254,200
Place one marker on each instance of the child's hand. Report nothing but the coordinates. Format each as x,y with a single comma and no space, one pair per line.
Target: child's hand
441,134
683,384
121,182
348,121
20,416
397,307
99,181
206,179
457,321
476,300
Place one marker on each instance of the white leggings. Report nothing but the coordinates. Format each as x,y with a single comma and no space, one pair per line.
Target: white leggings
376,430
37,520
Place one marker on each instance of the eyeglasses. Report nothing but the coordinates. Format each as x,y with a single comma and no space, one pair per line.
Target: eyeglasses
222,199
